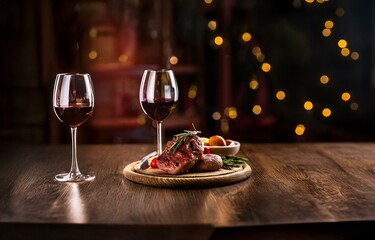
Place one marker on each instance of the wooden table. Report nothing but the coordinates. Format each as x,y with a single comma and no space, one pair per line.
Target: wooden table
296,191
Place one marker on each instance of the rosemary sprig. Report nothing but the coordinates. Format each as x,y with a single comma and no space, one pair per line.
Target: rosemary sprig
180,139
230,162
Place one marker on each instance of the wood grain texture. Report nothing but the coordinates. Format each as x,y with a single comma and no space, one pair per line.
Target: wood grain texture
312,190
158,178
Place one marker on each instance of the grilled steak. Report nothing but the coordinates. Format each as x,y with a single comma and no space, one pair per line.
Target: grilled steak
180,160
208,162
185,153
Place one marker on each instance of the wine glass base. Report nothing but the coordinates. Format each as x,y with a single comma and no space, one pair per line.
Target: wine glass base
70,177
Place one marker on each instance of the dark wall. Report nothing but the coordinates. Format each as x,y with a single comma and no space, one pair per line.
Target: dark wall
38,40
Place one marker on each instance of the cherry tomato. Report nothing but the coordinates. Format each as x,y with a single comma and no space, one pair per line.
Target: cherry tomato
153,163
206,150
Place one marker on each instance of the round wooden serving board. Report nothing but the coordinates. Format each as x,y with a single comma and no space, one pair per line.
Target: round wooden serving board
158,178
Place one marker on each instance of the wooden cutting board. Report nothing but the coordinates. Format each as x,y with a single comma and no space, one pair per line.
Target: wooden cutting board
158,178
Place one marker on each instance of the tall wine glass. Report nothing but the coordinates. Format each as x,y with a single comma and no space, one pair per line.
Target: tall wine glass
158,96
73,103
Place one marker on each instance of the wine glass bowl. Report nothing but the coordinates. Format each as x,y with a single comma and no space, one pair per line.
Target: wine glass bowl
158,96
73,104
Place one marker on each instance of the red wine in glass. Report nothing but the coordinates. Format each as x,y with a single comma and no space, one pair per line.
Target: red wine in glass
160,109
73,104
158,96
73,116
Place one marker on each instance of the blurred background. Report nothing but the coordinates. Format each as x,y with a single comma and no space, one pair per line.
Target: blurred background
250,70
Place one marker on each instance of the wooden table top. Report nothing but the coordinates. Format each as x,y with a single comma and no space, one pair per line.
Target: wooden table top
295,191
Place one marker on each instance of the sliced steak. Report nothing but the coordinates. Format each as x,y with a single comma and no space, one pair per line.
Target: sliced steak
208,162
183,158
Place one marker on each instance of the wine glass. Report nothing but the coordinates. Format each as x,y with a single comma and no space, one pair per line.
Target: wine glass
73,103
158,96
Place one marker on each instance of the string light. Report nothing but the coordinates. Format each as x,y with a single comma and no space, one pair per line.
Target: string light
326,32
173,60
224,125
345,52
246,37
231,112
354,55
280,95
324,79
218,40
257,109
340,12
266,67
216,116
318,1
345,96
300,129
342,43
328,24
93,55
256,51
308,105
192,94
212,25
261,57
354,106
253,84
326,112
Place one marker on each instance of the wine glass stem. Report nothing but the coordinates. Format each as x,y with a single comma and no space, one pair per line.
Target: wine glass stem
74,167
159,138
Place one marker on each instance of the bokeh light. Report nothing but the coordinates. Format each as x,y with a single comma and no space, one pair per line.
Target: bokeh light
342,43
216,116
93,54
253,84
280,95
193,91
218,40
354,55
266,67
345,52
173,60
231,112
326,112
212,25
123,58
324,79
345,96
93,33
354,106
246,36
300,129
326,32
257,109
340,12
328,24
308,105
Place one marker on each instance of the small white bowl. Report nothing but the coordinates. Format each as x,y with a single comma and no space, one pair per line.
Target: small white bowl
232,149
